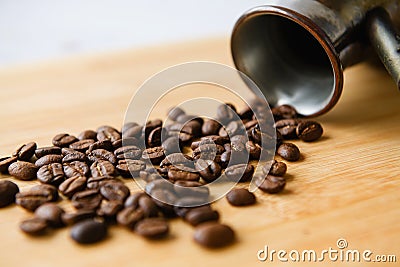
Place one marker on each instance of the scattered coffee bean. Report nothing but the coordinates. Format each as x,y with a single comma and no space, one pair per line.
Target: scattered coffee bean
48,159
209,170
102,155
130,216
97,182
25,152
200,215
33,226
287,128
102,168
177,174
214,235
226,113
51,213
174,113
154,154
104,144
76,168
5,163
309,131
239,172
109,209
114,191
210,127
64,140
89,199
152,228
108,133
82,145
240,197
79,215
72,185
88,231
272,184
51,174
8,190
128,152
87,134
36,196
23,170
43,151
289,152
130,167
277,168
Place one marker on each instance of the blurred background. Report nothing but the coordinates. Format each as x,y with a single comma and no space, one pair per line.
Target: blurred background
37,30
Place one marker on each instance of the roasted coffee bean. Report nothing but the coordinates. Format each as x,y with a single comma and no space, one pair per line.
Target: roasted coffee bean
246,113
209,170
176,174
109,209
177,159
102,155
208,149
128,141
82,145
174,112
51,150
154,138
25,152
210,127
171,145
190,202
51,213
151,125
133,131
158,184
104,144
239,139
102,168
97,182
66,151
108,133
133,199
152,228
225,159
272,184
165,201
128,125
76,168
233,128
200,215
128,152
240,197
130,167
5,163
79,215
240,172
88,231
51,174
265,140
250,124
130,216
253,149
289,152
192,127
149,177
23,170
191,189
214,235
148,206
72,185
284,112
36,196
226,113
309,131
33,226
8,190
87,135
48,159
154,154
277,168
89,199
64,140
114,191
287,128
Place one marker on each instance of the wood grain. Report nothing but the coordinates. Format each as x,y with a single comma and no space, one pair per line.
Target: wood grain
346,186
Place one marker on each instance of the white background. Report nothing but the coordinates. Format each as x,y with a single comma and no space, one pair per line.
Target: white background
35,30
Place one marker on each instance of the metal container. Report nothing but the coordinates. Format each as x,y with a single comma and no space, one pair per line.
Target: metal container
296,50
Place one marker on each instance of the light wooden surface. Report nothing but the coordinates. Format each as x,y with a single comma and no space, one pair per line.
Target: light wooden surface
347,186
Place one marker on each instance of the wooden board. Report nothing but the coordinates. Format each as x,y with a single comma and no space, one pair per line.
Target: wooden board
347,185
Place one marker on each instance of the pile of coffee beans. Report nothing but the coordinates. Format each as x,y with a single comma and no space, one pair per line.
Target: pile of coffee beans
86,170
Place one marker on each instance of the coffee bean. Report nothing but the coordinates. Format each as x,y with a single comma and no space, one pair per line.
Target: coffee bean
48,159
133,199
214,235
209,170
109,209
77,216
108,133
5,163
36,196
128,141
284,112
25,152
8,190
152,228
309,131
64,140
240,197
289,152
226,113
272,184
233,128
186,118
102,155
51,174
253,149
151,125
192,127
154,138
174,112
154,154
130,167
76,168
128,152
246,113
88,231
72,185
191,202
176,159
191,189
33,226
177,174
277,168
102,168
23,170
240,172
210,127
51,213
104,144
165,201
87,135
210,149
97,182
43,151
82,145
171,145
129,216
200,215
148,206
250,124
128,125
287,128
89,199
133,131
114,191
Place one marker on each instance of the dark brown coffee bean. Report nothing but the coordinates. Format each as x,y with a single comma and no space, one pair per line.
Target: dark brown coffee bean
309,131
246,113
272,184
208,169
89,199
5,163
214,235
287,128
174,112
226,113
212,149
133,131
79,215
233,128
151,125
76,168
192,127
176,174
284,112
130,167
171,145
51,213
109,209
87,135
8,190
43,151
130,216
175,159
277,168
128,125
33,226
250,124
82,145
108,133
190,202
48,159
102,155
97,182
200,215
51,174
148,206
64,140
210,127
88,231
72,185
114,191
104,144
128,152
165,201
191,189
253,149
152,228
36,196
133,199
240,172
289,152
154,154
66,151
154,138
240,197
25,152
102,168
23,170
